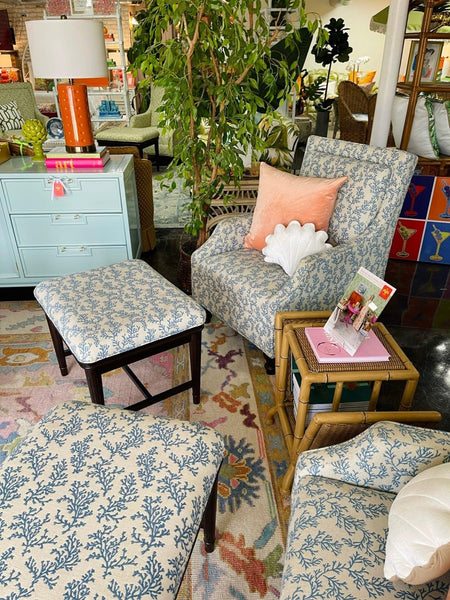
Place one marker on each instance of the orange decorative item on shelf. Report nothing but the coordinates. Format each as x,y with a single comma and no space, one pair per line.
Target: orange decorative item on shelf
9,75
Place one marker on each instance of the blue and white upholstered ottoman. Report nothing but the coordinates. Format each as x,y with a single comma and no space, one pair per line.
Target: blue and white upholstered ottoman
116,315
100,503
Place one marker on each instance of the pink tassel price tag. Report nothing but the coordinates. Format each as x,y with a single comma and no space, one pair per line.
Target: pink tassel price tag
58,188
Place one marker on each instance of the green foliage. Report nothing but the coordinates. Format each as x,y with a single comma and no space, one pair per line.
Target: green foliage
275,130
334,49
312,93
219,66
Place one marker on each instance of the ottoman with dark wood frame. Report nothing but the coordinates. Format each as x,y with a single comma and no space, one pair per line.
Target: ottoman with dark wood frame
100,502
113,316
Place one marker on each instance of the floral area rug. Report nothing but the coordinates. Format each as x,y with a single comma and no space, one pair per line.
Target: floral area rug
236,394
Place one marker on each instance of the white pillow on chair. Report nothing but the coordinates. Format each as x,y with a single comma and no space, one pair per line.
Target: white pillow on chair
418,541
441,112
422,140
286,246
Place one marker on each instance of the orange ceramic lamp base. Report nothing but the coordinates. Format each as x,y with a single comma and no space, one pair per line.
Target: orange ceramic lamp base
75,115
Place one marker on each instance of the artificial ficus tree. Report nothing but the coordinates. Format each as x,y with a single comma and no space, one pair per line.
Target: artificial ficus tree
221,64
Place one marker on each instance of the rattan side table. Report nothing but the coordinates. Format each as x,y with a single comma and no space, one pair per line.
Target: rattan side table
290,337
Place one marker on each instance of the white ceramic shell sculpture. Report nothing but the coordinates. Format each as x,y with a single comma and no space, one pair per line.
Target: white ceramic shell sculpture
286,246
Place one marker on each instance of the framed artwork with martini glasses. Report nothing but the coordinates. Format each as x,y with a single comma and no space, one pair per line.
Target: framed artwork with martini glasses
423,228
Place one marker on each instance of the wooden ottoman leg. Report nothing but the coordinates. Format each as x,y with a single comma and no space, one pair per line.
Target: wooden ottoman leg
195,353
95,385
209,519
58,344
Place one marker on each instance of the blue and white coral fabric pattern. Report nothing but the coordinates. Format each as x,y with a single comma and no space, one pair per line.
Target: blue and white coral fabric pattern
244,291
339,514
102,503
103,312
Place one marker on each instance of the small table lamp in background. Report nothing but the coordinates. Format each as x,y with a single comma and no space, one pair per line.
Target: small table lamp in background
69,49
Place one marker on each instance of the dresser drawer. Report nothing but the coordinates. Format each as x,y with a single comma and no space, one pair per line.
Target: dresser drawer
35,195
63,260
68,228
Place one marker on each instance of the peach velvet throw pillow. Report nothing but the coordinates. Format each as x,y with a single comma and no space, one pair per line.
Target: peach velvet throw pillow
283,197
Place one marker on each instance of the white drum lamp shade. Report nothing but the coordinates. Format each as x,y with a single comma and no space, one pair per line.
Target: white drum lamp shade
67,48
70,49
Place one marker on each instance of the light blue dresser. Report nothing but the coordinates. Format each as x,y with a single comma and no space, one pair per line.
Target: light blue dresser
42,235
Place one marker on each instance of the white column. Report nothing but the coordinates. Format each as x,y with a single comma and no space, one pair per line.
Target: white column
392,56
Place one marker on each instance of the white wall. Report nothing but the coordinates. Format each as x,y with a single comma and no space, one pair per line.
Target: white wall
356,17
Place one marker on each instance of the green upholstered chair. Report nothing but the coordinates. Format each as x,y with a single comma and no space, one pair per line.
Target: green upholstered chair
144,132
139,133
23,95
166,138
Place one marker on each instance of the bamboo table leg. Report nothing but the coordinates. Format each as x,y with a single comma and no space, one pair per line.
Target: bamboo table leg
374,395
281,370
408,393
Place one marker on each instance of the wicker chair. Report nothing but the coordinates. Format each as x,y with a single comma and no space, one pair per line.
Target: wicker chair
353,108
144,188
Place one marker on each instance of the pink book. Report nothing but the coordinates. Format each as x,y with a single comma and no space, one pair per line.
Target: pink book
76,163
329,351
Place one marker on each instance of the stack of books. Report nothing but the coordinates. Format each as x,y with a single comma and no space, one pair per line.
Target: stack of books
326,350
355,395
58,158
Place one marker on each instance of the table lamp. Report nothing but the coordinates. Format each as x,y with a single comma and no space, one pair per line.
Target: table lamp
68,49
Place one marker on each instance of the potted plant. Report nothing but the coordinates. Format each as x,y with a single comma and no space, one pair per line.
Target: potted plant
335,49
279,133
221,65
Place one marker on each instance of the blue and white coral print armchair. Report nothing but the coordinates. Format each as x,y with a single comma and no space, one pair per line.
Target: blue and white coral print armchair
340,504
244,291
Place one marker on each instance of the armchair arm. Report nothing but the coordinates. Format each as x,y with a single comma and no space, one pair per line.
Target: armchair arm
40,117
384,457
228,235
142,120
329,271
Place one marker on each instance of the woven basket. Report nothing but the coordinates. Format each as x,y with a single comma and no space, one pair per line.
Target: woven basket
17,149
187,247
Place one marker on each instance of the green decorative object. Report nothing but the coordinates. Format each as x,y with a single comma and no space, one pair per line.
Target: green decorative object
35,133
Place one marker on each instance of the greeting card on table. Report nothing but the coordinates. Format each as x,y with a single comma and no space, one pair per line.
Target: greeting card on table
360,306
327,350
